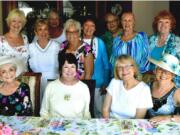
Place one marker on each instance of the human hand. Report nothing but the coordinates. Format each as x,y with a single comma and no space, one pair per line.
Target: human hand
158,119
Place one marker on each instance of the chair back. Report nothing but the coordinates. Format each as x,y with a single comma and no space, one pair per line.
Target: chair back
33,80
91,85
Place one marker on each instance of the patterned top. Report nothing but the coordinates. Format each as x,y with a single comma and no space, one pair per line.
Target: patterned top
169,47
80,54
137,48
108,40
164,105
19,52
18,103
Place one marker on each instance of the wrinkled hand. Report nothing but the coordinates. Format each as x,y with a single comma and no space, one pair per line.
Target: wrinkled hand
159,119
103,90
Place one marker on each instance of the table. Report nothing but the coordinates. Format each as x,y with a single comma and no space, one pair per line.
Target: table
62,126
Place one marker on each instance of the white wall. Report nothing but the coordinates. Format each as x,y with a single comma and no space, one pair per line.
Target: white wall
145,11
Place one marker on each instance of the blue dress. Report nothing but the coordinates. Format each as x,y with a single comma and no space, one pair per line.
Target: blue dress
137,48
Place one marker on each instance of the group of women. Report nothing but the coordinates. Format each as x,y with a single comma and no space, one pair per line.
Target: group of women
79,58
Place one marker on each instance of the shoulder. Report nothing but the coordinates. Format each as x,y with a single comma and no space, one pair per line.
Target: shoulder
24,86
143,86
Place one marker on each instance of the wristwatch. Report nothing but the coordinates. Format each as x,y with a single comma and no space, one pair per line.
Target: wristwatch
172,118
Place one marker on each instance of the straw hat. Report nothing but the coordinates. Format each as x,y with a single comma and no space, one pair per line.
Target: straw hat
20,65
168,62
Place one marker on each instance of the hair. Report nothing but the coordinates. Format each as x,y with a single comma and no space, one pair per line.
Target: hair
53,11
110,14
121,59
63,57
40,22
14,13
164,14
89,18
72,22
128,12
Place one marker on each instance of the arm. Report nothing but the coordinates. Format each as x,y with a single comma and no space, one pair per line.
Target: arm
87,103
44,112
107,105
88,66
140,113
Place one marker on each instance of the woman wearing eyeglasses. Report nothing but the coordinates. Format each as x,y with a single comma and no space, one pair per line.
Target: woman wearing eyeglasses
127,97
165,94
80,49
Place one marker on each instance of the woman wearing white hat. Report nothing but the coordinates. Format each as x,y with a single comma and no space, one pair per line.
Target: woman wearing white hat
165,94
14,95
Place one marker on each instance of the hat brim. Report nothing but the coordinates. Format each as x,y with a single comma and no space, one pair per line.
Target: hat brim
163,65
20,65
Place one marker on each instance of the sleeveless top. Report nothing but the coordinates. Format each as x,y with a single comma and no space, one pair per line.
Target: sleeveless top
164,105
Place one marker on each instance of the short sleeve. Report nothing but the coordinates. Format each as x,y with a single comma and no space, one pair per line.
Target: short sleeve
145,99
111,86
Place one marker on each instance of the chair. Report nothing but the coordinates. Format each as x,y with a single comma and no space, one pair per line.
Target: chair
33,80
91,85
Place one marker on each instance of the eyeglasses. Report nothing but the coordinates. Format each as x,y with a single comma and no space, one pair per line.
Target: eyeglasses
160,71
112,21
72,32
127,67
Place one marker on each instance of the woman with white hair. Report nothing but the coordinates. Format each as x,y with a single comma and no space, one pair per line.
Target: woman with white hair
14,43
14,95
80,49
165,94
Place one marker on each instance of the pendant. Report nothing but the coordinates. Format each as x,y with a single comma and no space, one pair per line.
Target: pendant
67,97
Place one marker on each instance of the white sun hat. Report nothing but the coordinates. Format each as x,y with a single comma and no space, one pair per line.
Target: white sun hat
20,65
168,62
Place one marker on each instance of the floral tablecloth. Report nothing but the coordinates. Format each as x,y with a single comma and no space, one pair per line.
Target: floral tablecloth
53,126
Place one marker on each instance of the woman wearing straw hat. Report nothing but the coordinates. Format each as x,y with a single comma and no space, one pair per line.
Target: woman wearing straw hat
165,94
14,95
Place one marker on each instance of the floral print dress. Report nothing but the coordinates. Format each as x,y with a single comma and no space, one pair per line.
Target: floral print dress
18,103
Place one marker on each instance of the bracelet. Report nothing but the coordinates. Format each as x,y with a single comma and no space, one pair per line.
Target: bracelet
172,118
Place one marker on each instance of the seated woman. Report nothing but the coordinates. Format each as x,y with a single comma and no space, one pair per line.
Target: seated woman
14,96
127,97
66,96
165,95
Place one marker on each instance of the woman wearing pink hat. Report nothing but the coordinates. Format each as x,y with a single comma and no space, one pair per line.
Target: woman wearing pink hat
165,94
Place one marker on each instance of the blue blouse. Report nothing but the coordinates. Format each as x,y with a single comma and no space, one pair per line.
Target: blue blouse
137,48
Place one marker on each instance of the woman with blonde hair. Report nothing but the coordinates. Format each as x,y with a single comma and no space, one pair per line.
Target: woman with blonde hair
127,97
14,43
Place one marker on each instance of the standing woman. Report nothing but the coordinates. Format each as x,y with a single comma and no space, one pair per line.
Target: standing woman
80,49
132,43
44,54
14,95
14,43
164,41
126,96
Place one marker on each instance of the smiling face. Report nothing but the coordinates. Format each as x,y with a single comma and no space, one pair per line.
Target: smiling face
112,23
53,20
42,32
16,24
128,22
72,34
7,73
125,70
68,71
163,76
88,29
164,26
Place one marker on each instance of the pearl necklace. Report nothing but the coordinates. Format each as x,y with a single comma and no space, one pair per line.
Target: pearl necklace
165,43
